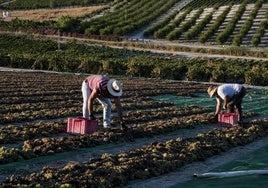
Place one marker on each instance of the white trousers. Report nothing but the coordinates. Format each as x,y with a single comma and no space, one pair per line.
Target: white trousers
105,102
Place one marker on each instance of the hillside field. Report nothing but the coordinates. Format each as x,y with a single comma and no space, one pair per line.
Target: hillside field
41,15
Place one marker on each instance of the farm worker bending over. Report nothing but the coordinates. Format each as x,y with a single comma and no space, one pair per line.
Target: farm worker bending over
103,89
231,95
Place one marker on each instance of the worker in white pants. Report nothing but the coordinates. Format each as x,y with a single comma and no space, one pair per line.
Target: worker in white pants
228,96
103,89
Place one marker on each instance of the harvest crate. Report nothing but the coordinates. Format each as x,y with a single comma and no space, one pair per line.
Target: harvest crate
228,118
81,125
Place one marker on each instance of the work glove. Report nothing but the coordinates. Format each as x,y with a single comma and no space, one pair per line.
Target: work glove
92,117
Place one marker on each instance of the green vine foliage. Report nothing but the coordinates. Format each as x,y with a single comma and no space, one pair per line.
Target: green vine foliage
159,25
225,34
256,39
257,74
169,28
247,25
205,35
128,17
45,55
175,34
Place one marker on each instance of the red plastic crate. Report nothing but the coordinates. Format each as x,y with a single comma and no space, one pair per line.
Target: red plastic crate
228,118
81,125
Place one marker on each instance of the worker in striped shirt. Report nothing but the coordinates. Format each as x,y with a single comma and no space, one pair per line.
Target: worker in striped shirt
103,89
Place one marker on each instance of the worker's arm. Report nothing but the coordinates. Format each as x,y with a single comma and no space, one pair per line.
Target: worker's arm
119,110
225,101
218,106
91,98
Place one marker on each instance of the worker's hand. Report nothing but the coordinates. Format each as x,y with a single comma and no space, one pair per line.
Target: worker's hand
92,117
123,126
216,117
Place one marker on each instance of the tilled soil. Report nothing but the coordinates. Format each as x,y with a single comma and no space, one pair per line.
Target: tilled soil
186,173
81,155
180,175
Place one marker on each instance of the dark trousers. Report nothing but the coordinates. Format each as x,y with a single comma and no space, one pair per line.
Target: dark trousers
236,102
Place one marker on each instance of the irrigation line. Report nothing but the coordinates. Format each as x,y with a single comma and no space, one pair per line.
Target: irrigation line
231,173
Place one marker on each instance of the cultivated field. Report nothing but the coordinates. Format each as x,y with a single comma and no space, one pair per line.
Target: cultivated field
162,138
172,132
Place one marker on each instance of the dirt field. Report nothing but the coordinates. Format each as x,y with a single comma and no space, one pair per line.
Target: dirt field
51,14
186,173
178,176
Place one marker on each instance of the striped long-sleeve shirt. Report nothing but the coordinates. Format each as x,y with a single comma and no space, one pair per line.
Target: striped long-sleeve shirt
98,82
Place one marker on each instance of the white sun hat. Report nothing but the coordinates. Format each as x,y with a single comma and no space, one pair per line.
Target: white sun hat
114,88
